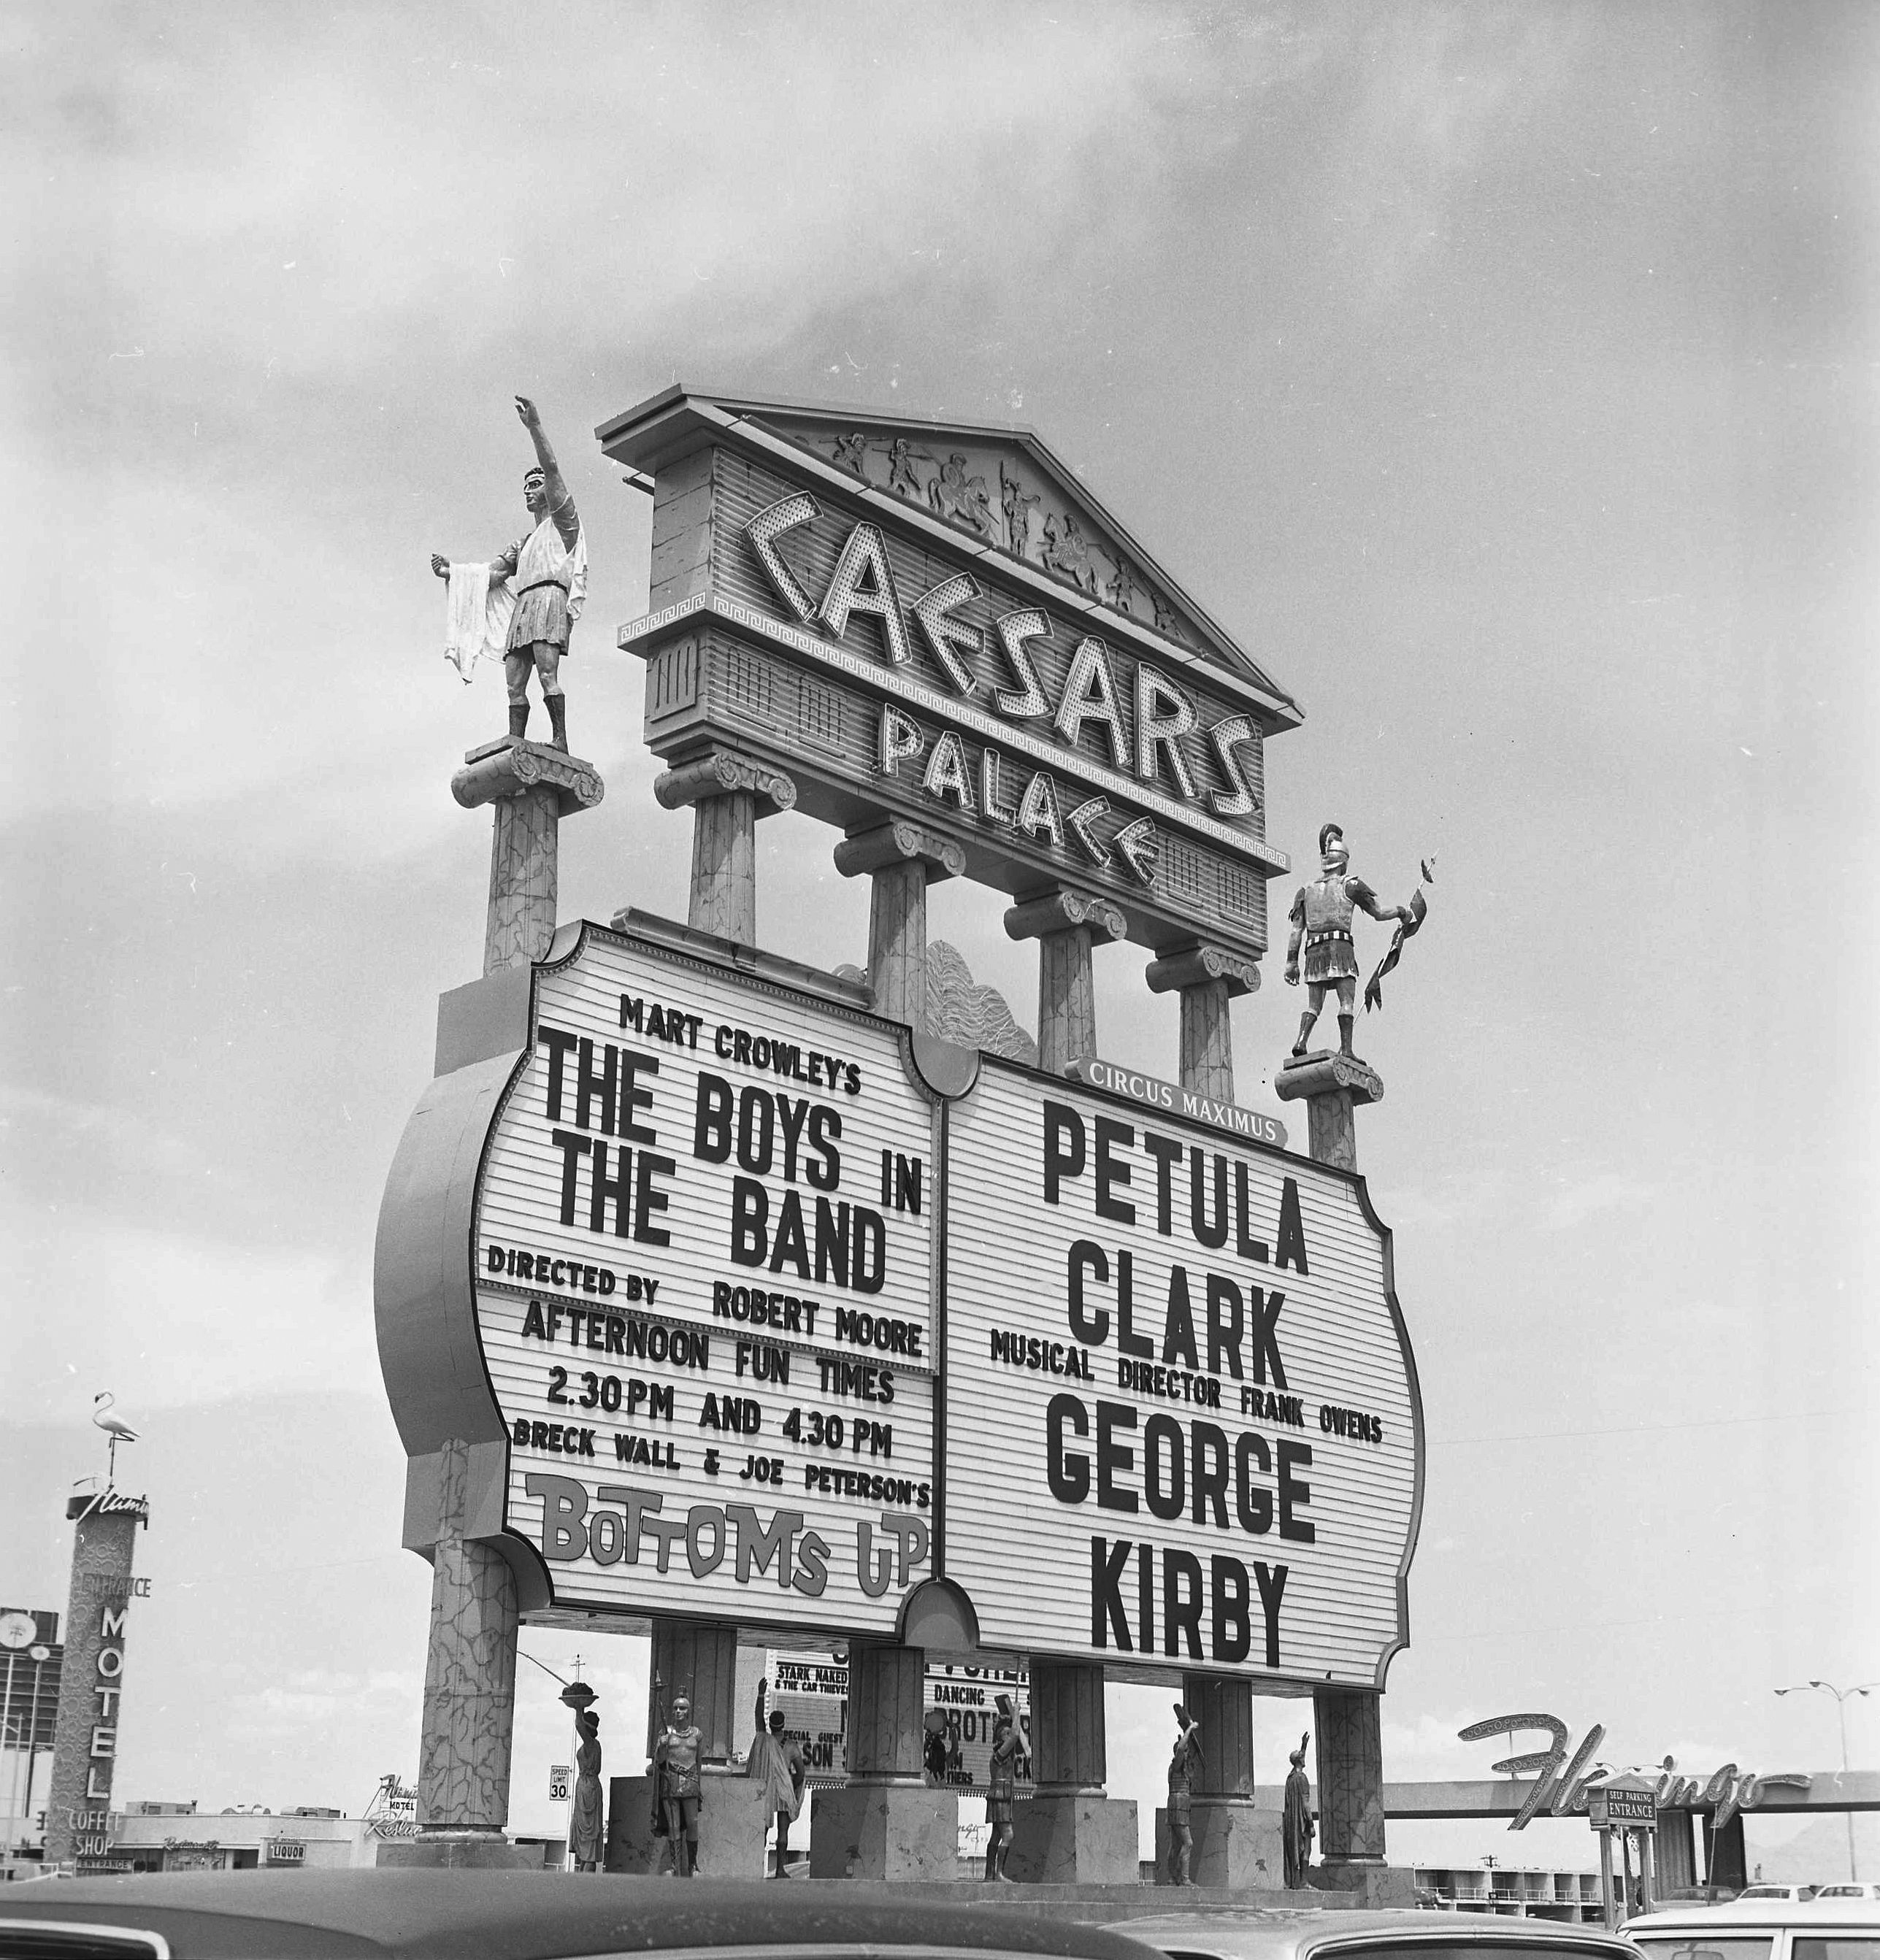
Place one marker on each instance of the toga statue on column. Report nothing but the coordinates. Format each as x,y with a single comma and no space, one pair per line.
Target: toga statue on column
1322,915
547,574
776,1759
1297,1828
586,1844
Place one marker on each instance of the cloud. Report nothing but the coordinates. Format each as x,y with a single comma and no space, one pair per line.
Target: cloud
169,1319
1577,1200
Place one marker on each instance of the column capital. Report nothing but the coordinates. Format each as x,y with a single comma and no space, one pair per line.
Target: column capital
1062,910
511,767
721,772
1328,1073
899,840
1195,965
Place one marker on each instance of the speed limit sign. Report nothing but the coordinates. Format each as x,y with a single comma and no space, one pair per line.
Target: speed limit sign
558,1777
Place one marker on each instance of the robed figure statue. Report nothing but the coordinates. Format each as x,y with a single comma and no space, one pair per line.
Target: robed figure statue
1298,1827
585,1834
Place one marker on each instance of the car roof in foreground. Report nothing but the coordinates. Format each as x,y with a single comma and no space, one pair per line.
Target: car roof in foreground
1251,1933
441,1915
1753,1915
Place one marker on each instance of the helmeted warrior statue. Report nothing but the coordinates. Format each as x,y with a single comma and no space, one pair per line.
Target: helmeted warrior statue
1297,1829
678,1754
1322,914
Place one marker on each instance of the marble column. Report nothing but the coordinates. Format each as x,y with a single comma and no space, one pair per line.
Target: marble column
1208,978
1347,1721
885,1822
532,788
470,1655
1331,1085
901,860
1350,1762
698,1659
1070,1833
469,1679
728,793
1067,925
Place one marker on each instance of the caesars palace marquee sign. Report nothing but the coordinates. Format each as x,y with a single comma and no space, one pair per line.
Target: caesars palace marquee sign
956,637
702,1291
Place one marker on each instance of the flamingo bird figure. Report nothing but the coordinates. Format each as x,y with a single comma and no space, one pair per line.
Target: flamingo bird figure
114,1426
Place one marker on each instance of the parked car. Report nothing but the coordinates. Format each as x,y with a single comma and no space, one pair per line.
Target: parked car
1305,1933
1854,1888
470,1915
1761,1929
1777,1892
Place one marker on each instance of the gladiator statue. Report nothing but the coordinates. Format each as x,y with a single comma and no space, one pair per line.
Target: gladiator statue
1321,922
678,1754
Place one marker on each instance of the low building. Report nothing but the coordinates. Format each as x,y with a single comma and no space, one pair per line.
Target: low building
1526,1893
171,1836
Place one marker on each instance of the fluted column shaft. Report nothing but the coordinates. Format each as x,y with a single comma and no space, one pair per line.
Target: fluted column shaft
887,1713
723,897
897,941
698,1659
1070,1754
1207,1040
1350,1753
1067,999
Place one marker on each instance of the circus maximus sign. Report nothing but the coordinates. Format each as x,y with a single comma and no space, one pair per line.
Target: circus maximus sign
956,639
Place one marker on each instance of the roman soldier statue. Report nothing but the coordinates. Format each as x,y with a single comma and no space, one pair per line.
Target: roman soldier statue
1321,925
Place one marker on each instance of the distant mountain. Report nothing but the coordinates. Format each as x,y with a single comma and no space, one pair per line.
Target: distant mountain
1816,1854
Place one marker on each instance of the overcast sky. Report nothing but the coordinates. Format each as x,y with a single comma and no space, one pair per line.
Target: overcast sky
1503,378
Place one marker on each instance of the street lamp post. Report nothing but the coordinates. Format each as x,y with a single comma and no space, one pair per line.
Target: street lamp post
1840,1695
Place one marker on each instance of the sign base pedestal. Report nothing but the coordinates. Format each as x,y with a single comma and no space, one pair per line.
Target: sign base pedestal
1375,1886
884,1831
1077,1838
469,1851
732,1826
1236,1845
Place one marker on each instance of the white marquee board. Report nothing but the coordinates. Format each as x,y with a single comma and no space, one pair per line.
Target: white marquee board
1209,1480
703,1251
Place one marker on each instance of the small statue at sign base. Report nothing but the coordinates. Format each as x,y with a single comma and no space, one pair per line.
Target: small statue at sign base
776,1760
585,1833
1298,1827
1009,1747
1181,1768
547,574
677,1757
1322,914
